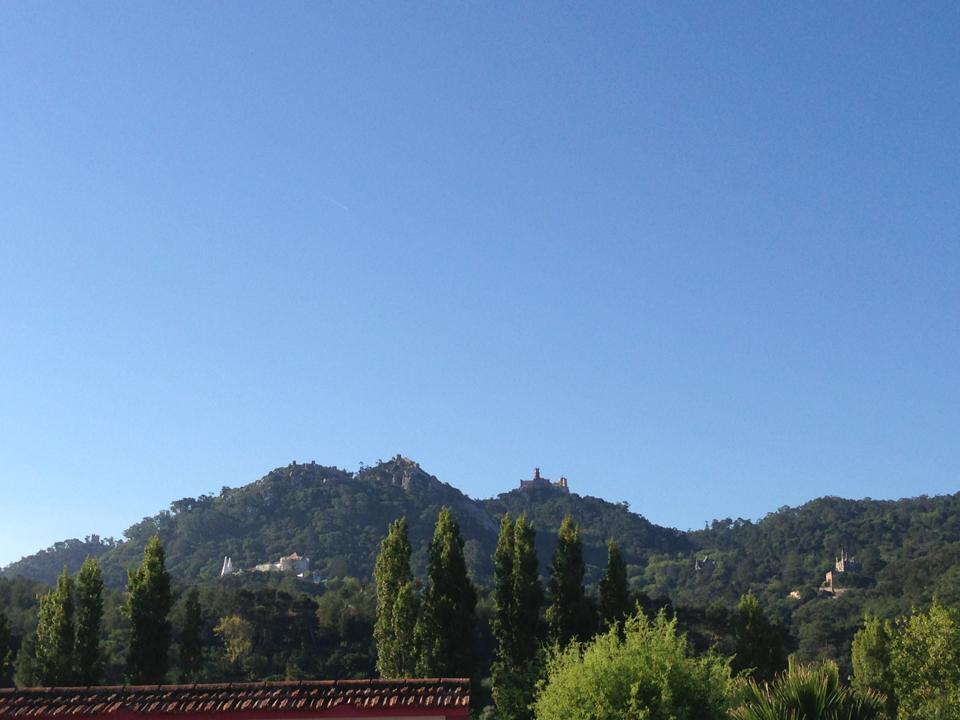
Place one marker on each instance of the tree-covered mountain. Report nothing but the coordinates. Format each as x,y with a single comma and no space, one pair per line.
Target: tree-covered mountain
45,565
599,520
337,519
907,551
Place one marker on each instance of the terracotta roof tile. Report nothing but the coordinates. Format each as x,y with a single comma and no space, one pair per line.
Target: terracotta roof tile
315,696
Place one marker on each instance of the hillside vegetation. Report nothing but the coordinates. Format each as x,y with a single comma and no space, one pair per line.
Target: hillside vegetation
908,550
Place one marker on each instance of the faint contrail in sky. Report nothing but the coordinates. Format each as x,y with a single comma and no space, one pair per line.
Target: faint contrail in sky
334,202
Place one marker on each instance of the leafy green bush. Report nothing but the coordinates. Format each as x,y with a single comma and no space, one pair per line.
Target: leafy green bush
648,674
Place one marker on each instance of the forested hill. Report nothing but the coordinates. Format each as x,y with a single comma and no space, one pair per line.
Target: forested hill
337,518
599,520
908,550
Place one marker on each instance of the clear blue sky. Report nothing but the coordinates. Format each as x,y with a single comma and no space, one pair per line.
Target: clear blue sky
703,258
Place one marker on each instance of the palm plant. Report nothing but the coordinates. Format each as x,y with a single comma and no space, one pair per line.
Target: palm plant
808,692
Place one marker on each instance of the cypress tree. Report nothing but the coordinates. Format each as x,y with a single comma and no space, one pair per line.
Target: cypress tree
870,656
614,595
568,614
445,632
89,620
527,592
6,652
406,610
503,592
391,572
56,634
759,643
191,643
148,604
25,672
518,596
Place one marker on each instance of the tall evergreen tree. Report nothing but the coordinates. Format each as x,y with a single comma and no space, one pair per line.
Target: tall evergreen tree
448,621
56,633
503,593
527,592
6,652
406,611
614,595
391,572
25,671
89,619
870,655
148,604
517,599
569,613
759,643
191,642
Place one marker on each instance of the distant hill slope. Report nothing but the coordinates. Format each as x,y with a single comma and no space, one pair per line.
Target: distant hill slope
337,518
909,549
906,549
334,517
599,521
45,565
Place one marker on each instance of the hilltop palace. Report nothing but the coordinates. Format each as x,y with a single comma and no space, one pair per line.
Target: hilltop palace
538,481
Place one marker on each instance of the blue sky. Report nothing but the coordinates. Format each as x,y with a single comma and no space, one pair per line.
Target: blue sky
705,259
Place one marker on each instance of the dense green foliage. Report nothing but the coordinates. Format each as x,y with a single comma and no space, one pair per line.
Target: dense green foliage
46,565
56,635
149,600
909,549
807,693
89,602
447,623
6,652
569,615
870,654
925,665
545,508
647,673
909,552
614,594
338,518
335,517
396,656
190,644
759,643
517,597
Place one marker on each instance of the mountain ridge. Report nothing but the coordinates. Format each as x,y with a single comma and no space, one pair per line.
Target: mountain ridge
909,548
314,509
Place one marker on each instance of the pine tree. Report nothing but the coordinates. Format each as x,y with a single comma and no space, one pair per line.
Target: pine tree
89,619
569,613
148,604
6,653
191,642
447,624
614,595
56,634
517,599
391,572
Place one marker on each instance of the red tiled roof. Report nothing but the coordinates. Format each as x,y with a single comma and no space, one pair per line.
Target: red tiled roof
298,698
